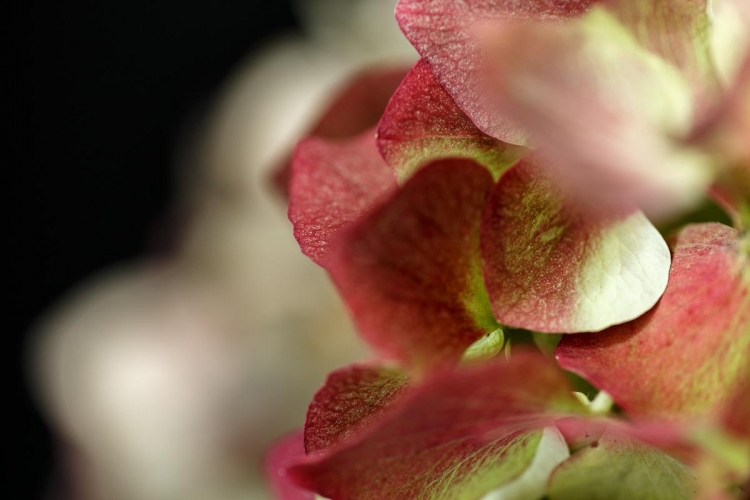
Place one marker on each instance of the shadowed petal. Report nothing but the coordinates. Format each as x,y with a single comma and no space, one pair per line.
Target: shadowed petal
410,271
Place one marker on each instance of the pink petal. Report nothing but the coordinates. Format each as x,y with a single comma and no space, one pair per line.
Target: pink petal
551,266
410,271
352,399
422,123
334,184
355,109
604,112
458,433
286,452
683,359
444,33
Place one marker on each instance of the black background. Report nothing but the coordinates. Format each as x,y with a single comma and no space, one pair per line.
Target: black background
110,86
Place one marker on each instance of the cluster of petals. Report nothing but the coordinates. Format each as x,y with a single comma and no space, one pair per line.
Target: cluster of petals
506,188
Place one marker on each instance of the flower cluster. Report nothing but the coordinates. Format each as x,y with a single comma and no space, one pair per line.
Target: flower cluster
508,195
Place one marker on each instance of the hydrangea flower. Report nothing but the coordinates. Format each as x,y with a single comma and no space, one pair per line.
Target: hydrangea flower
508,188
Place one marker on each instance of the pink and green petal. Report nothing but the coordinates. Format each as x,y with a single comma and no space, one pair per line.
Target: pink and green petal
352,399
444,32
287,451
422,123
458,435
551,451
618,467
355,109
603,110
698,336
551,266
333,184
410,271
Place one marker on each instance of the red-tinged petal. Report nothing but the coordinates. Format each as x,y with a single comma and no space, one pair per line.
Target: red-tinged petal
618,467
355,109
352,399
422,123
360,105
459,434
550,266
410,272
677,30
604,111
286,452
334,184
444,33
684,358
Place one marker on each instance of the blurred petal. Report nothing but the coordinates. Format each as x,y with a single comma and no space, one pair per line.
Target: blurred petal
333,185
360,104
410,271
443,32
551,267
730,38
422,123
287,451
684,358
726,131
620,468
736,414
677,30
604,111
459,434
357,108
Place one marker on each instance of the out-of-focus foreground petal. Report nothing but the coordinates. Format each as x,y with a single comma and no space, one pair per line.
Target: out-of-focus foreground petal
683,359
551,266
677,30
726,131
730,38
443,32
736,415
604,111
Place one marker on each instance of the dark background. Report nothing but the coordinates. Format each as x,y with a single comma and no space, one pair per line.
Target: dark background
110,86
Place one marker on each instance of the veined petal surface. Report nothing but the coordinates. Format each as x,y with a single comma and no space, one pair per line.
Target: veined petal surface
458,435
685,358
552,266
